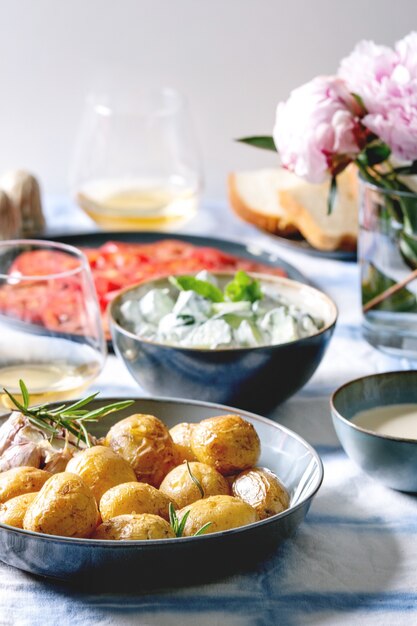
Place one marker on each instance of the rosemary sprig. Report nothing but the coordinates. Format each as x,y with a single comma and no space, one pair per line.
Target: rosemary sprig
176,523
179,524
72,417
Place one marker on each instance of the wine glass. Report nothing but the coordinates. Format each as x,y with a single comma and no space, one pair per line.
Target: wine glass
51,332
136,164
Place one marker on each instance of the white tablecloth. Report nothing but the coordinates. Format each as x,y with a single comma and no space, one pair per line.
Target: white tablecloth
354,559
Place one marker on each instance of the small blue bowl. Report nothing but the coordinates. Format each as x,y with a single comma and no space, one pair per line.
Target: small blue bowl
390,460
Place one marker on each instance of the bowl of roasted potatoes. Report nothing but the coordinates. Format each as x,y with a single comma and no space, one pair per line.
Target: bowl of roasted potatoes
154,492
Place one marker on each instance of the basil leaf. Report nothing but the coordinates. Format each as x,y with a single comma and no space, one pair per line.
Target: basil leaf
243,287
202,287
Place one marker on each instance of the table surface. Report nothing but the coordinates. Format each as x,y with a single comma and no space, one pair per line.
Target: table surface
355,556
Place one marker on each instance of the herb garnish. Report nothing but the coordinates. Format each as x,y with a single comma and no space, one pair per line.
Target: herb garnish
241,288
72,417
195,480
202,287
178,525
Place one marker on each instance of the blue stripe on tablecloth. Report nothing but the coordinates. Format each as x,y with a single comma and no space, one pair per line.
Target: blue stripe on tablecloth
296,603
370,524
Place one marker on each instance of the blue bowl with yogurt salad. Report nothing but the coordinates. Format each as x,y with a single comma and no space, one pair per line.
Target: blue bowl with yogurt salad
375,418
249,341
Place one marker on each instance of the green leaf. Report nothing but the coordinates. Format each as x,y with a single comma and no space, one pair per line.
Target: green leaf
173,519
331,198
243,287
202,530
377,153
372,155
106,410
195,480
25,393
79,404
265,142
406,170
359,100
377,282
181,524
408,249
202,287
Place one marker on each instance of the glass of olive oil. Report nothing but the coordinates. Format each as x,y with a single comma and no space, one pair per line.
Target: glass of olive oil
51,335
136,165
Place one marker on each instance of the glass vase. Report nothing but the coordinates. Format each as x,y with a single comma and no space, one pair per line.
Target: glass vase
388,263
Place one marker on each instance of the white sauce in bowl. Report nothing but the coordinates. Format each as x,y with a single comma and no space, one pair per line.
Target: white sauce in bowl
394,420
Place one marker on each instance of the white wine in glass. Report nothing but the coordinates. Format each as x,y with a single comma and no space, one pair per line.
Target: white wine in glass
51,335
136,164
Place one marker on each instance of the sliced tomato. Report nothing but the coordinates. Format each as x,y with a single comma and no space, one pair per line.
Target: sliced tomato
43,262
114,265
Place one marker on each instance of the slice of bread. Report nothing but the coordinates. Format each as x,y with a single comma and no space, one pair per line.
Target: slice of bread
281,203
254,197
306,206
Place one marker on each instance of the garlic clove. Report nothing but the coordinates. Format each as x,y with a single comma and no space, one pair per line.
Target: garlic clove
9,429
21,454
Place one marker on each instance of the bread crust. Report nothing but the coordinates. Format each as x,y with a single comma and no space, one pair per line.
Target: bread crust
312,232
270,223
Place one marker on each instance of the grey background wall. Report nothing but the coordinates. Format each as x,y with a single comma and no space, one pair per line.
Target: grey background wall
233,58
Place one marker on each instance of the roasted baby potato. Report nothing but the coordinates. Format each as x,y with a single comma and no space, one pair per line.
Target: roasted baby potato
144,441
179,485
134,527
101,468
228,442
19,480
181,436
13,511
131,498
64,506
260,488
222,512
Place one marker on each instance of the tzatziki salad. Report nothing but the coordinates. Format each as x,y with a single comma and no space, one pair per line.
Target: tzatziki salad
197,313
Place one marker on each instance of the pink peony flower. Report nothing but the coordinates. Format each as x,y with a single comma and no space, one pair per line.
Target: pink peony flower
317,130
386,80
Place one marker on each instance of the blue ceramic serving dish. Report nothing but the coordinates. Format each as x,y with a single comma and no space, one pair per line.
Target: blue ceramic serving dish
391,460
115,564
256,379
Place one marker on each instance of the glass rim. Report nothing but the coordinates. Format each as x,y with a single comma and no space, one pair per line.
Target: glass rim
388,192
46,244
127,101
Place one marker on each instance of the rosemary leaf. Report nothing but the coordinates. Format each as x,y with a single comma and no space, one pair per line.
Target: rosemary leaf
173,519
25,393
195,480
77,405
41,424
85,433
202,530
181,524
110,408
